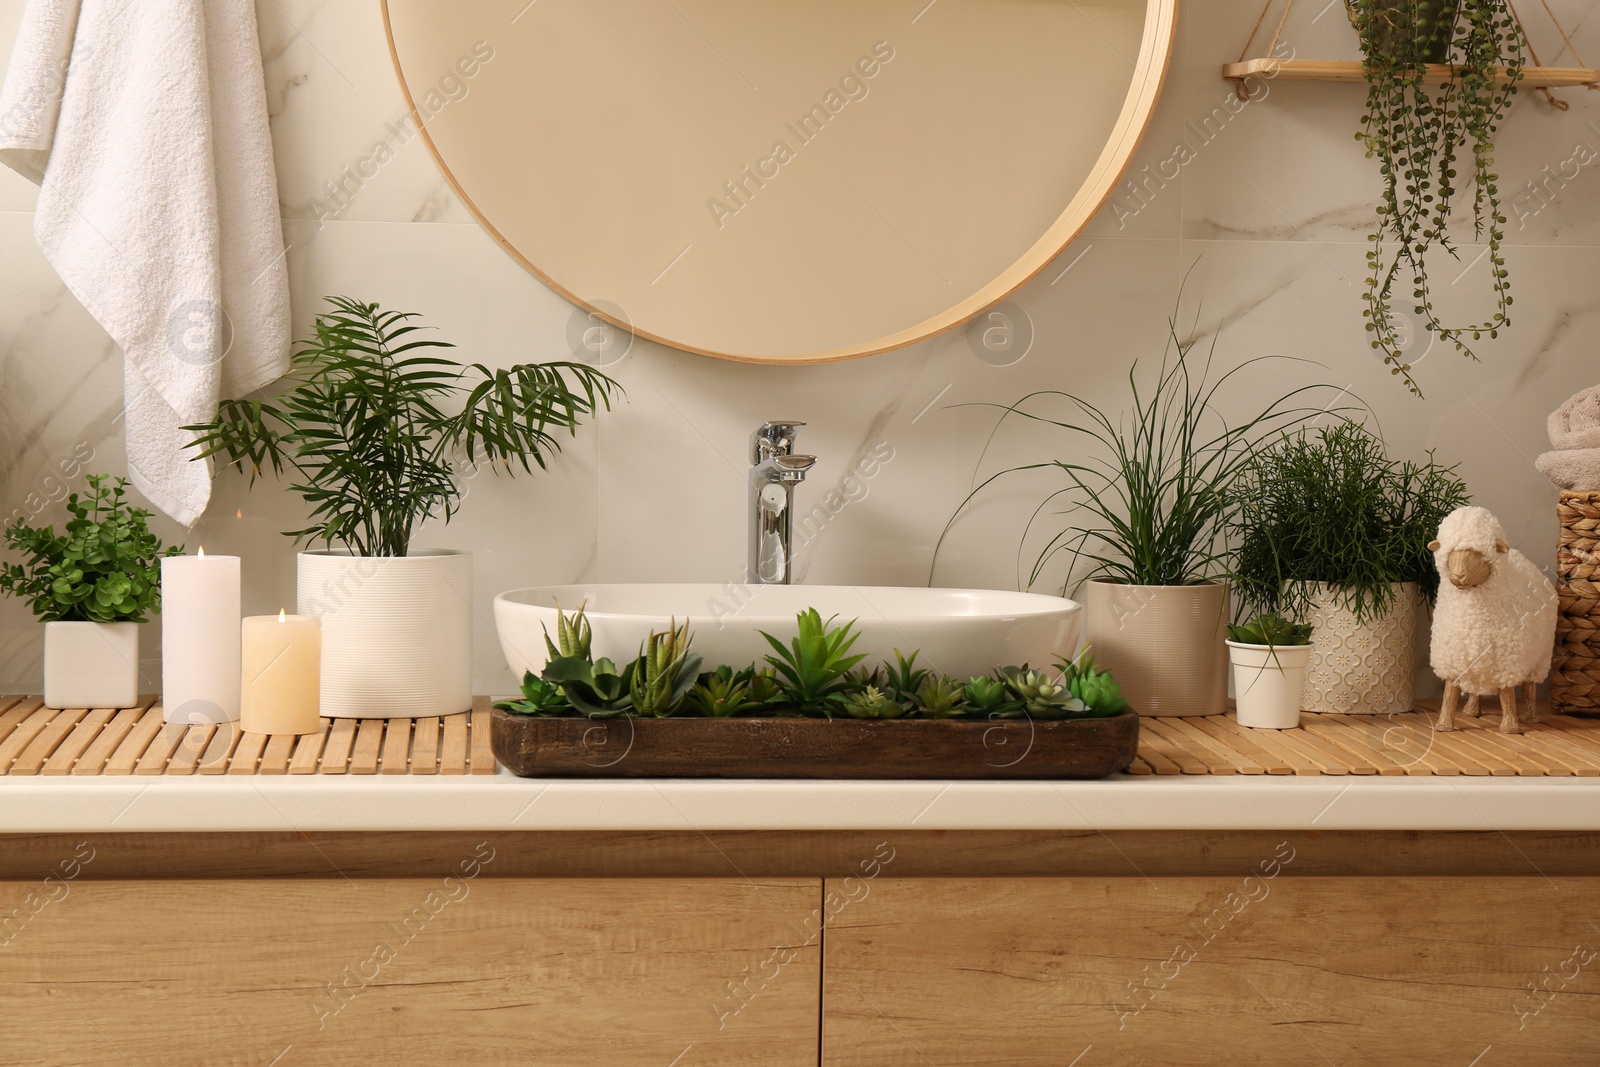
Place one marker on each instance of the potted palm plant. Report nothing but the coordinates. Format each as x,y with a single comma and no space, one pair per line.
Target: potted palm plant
371,425
1332,531
1421,130
1270,655
93,585
1154,496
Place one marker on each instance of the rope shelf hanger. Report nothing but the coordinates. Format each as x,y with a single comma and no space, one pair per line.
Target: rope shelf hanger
1350,70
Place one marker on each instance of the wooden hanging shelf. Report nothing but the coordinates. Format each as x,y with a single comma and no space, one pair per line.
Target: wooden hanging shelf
1349,70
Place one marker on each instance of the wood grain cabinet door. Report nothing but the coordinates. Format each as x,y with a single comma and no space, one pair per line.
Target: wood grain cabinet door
397,971
1466,971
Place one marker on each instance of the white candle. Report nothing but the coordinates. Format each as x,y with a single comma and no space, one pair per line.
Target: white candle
282,674
200,638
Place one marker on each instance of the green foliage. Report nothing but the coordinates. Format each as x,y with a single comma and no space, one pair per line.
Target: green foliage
721,694
1418,132
812,667
1150,503
1335,508
939,697
664,674
873,703
104,567
596,689
904,677
363,425
986,697
573,636
1039,695
539,697
1271,629
1096,689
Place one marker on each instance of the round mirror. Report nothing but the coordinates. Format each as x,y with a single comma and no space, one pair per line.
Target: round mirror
783,182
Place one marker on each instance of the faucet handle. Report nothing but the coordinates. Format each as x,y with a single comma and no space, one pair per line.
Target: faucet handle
774,438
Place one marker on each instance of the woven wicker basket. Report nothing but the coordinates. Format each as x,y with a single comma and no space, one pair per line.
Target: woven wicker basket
1575,670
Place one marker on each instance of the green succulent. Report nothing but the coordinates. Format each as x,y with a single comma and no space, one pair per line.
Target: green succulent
904,677
873,703
763,685
573,636
539,697
812,667
1098,691
720,694
939,697
1271,629
596,689
859,677
664,673
987,697
1040,696
105,566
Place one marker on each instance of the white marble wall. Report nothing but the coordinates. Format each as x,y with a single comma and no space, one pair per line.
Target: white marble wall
1267,222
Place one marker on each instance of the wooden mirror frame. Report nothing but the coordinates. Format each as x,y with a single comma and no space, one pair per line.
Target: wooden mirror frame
1150,73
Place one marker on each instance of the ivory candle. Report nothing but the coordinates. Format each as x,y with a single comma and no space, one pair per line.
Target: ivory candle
282,674
200,638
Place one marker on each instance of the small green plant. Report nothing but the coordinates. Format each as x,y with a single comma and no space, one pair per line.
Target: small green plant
903,677
986,697
598,690
1096,689
664,674
104,567
721,694
364,426
539,697
573,636
1039,695
1270,628
1333,508
812,667
939,697
873,703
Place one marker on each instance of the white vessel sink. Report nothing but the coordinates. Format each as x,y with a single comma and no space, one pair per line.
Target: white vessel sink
961,632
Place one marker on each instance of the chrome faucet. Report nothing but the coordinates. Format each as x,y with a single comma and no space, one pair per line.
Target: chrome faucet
775,471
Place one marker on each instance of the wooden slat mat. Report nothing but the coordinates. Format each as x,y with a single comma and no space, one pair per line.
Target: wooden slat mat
35,740
1558,746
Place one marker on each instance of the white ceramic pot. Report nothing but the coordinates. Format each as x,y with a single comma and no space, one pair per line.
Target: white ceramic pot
91,664
1362,668
1268,682
396,632
1163,644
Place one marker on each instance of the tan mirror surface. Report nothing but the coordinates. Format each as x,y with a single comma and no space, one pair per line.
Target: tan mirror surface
783,181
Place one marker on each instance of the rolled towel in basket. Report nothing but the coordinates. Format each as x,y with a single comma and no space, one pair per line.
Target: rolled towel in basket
1576,423
1572,468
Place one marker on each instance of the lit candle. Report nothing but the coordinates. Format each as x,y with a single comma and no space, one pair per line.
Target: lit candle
282,674
200,638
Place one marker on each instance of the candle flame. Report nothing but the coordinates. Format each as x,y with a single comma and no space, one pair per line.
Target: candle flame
238,513
281,616
202,551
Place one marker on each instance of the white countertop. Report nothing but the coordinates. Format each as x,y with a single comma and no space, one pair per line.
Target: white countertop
505,802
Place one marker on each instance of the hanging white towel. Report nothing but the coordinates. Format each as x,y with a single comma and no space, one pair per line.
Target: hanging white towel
145,125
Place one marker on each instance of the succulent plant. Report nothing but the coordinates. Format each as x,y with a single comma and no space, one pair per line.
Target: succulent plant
812,667
1040,695
873,703
664,673
1098,691
720,694
596,689
763,685
987,697
539,697
939,697
859,677
904,677
1271,629
573,636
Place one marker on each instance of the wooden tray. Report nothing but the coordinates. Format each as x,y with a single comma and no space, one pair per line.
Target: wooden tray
814,748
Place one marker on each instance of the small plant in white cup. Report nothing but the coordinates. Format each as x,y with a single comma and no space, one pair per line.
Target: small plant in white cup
1269,656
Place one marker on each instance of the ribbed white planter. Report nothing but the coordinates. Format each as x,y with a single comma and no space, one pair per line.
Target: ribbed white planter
1163,644
91,664
1362,668
396,632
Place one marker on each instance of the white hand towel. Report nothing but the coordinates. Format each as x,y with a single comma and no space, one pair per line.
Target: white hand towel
146,127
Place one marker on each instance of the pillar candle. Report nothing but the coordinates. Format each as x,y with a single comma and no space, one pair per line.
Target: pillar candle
282,675
200,638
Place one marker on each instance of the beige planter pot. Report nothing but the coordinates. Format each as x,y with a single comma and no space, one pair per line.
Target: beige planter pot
1163,644
1362,669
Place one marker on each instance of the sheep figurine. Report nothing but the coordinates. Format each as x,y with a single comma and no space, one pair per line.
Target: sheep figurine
1494,628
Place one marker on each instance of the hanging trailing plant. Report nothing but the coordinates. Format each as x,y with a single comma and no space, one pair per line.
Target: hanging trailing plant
1423,135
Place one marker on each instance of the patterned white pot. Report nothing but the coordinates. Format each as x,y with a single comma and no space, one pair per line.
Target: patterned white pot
1163,644
1362,668
396,632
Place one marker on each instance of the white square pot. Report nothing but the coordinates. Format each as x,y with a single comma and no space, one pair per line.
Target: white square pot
91,664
